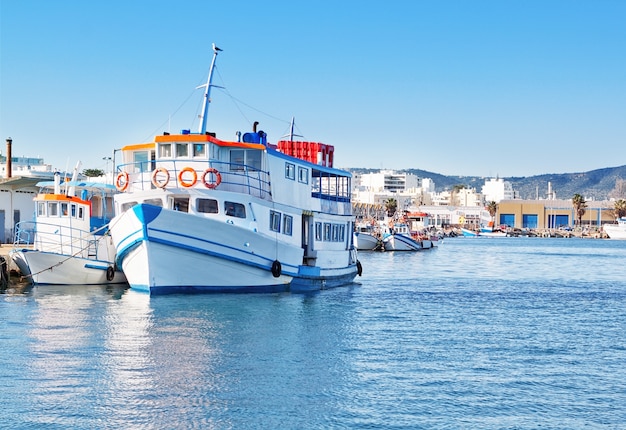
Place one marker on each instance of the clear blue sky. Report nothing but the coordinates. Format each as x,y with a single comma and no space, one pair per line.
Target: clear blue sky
481,88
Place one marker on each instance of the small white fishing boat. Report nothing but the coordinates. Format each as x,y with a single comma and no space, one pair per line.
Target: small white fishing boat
368,236
400,238
69,236
199,214
616,231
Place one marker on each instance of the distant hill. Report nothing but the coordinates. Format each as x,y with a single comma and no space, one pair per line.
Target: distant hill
593,185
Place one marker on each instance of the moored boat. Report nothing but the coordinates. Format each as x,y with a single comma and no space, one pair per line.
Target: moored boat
400,238
616,231
69,239
200,214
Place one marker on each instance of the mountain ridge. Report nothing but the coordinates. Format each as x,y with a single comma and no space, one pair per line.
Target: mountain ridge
592,185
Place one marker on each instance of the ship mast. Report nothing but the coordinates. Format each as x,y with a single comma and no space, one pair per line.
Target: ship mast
207,93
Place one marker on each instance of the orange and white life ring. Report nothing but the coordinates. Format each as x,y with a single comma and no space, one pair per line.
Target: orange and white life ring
207,176
121,181
155,180
194,177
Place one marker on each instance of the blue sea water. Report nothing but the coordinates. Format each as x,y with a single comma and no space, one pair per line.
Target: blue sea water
513,333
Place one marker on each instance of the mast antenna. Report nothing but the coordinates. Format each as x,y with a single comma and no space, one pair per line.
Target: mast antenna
207,93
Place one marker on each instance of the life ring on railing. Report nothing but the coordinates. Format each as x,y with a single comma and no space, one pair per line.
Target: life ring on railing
121,181
156,182
276,269
206,177
194,177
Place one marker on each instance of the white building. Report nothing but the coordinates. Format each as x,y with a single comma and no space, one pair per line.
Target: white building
496,190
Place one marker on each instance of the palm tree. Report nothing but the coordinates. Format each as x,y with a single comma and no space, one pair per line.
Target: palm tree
390,206
580,205
620,208
492,208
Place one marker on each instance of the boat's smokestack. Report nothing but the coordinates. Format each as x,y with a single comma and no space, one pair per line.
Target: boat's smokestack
9,155
254,126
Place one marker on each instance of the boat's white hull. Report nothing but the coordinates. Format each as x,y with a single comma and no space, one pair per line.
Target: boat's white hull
365,241
400,242
163,251
615,231
60,269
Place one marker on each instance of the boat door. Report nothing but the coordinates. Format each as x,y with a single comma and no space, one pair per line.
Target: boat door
308,240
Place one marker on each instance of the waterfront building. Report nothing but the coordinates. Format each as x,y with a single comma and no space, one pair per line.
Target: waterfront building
497,189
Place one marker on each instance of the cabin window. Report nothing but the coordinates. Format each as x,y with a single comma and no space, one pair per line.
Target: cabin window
237,160
328,231
53,209
181,204
165,150
73,210
335,233
64,210
141,160
182,150
318,231
199,150
290,171
253,159
80,213
128,205
303,175
274,221
206,206
234,209
41,209
154,202
287,224
342,233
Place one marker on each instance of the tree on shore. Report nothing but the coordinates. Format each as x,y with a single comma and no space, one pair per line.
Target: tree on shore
492,208
93,173
580,206
391,205
620,208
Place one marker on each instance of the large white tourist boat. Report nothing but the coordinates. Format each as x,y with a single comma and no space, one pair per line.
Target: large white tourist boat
616,231
200,214
69,239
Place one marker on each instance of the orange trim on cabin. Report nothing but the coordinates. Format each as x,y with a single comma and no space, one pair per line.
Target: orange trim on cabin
205,138
60,197
138,146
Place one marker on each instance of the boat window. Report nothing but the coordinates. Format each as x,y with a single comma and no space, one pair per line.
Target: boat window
182,150
342,233
41,209
327,231
206,206
64,211
290,171
253,159
237,160
318,231
154,202
165,150
141,160
80,213
287,224
199,150
128,205
53,209
73,210
303,175
335,233
181,204
234,209
274,221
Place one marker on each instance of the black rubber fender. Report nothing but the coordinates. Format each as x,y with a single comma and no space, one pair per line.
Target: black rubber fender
110,273
277,269
359,268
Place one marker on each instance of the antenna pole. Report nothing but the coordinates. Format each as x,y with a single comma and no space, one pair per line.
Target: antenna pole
207,93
